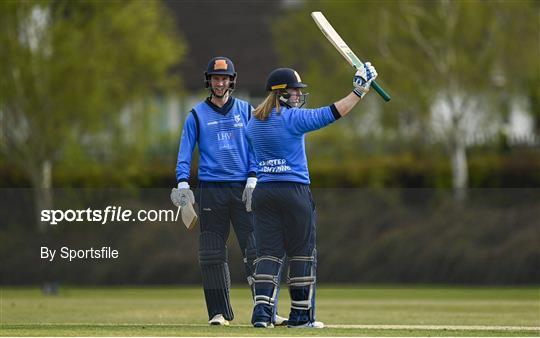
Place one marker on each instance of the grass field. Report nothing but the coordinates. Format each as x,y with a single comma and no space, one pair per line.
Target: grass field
347,311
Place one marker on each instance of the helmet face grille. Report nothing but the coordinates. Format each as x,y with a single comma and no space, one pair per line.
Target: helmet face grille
287,99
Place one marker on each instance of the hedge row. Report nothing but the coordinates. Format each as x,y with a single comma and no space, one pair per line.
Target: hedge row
511,170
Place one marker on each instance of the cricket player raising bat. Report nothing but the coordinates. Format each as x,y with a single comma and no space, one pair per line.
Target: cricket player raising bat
226,178
284,211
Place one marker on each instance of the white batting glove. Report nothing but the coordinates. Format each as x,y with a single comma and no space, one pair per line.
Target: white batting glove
182,195
363,78
248,192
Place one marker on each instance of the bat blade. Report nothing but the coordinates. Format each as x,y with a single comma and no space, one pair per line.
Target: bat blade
330,33
336,40
189,216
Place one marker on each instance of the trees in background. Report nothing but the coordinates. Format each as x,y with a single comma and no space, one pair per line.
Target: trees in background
77,70
453,67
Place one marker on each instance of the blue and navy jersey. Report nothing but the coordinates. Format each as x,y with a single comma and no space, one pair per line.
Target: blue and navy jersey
223,147
278,142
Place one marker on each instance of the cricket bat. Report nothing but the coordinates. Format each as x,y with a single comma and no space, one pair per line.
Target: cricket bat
334,38
189,216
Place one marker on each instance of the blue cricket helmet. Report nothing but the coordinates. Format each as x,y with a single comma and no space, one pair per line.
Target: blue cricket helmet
283,78
220,65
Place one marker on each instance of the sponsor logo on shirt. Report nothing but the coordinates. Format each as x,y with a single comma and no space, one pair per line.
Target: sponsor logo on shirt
225,135
225,140
278,165
212,123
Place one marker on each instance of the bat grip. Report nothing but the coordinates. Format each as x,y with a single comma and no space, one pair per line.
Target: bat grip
380,91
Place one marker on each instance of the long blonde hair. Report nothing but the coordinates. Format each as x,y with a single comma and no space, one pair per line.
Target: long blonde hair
265,108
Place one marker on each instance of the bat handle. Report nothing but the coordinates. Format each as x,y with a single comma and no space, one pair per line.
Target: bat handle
380,91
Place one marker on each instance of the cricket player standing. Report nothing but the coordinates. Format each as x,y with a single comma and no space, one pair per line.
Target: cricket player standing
283,207
226,177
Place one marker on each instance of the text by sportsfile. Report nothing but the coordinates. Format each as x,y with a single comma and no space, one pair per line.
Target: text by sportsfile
70,254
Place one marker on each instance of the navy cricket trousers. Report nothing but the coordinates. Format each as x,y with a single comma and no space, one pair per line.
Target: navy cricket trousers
220,205
284,223
284,219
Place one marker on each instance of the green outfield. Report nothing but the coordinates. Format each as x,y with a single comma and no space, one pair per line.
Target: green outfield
347,311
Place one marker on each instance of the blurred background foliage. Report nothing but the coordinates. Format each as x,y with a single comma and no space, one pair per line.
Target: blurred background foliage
94,94
80,77
453,67
87,84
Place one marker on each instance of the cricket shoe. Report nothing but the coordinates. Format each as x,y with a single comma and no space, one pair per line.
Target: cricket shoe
308,325
281,321
219,320
264,325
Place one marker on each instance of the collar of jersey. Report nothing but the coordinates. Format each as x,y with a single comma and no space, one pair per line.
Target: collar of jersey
221,110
